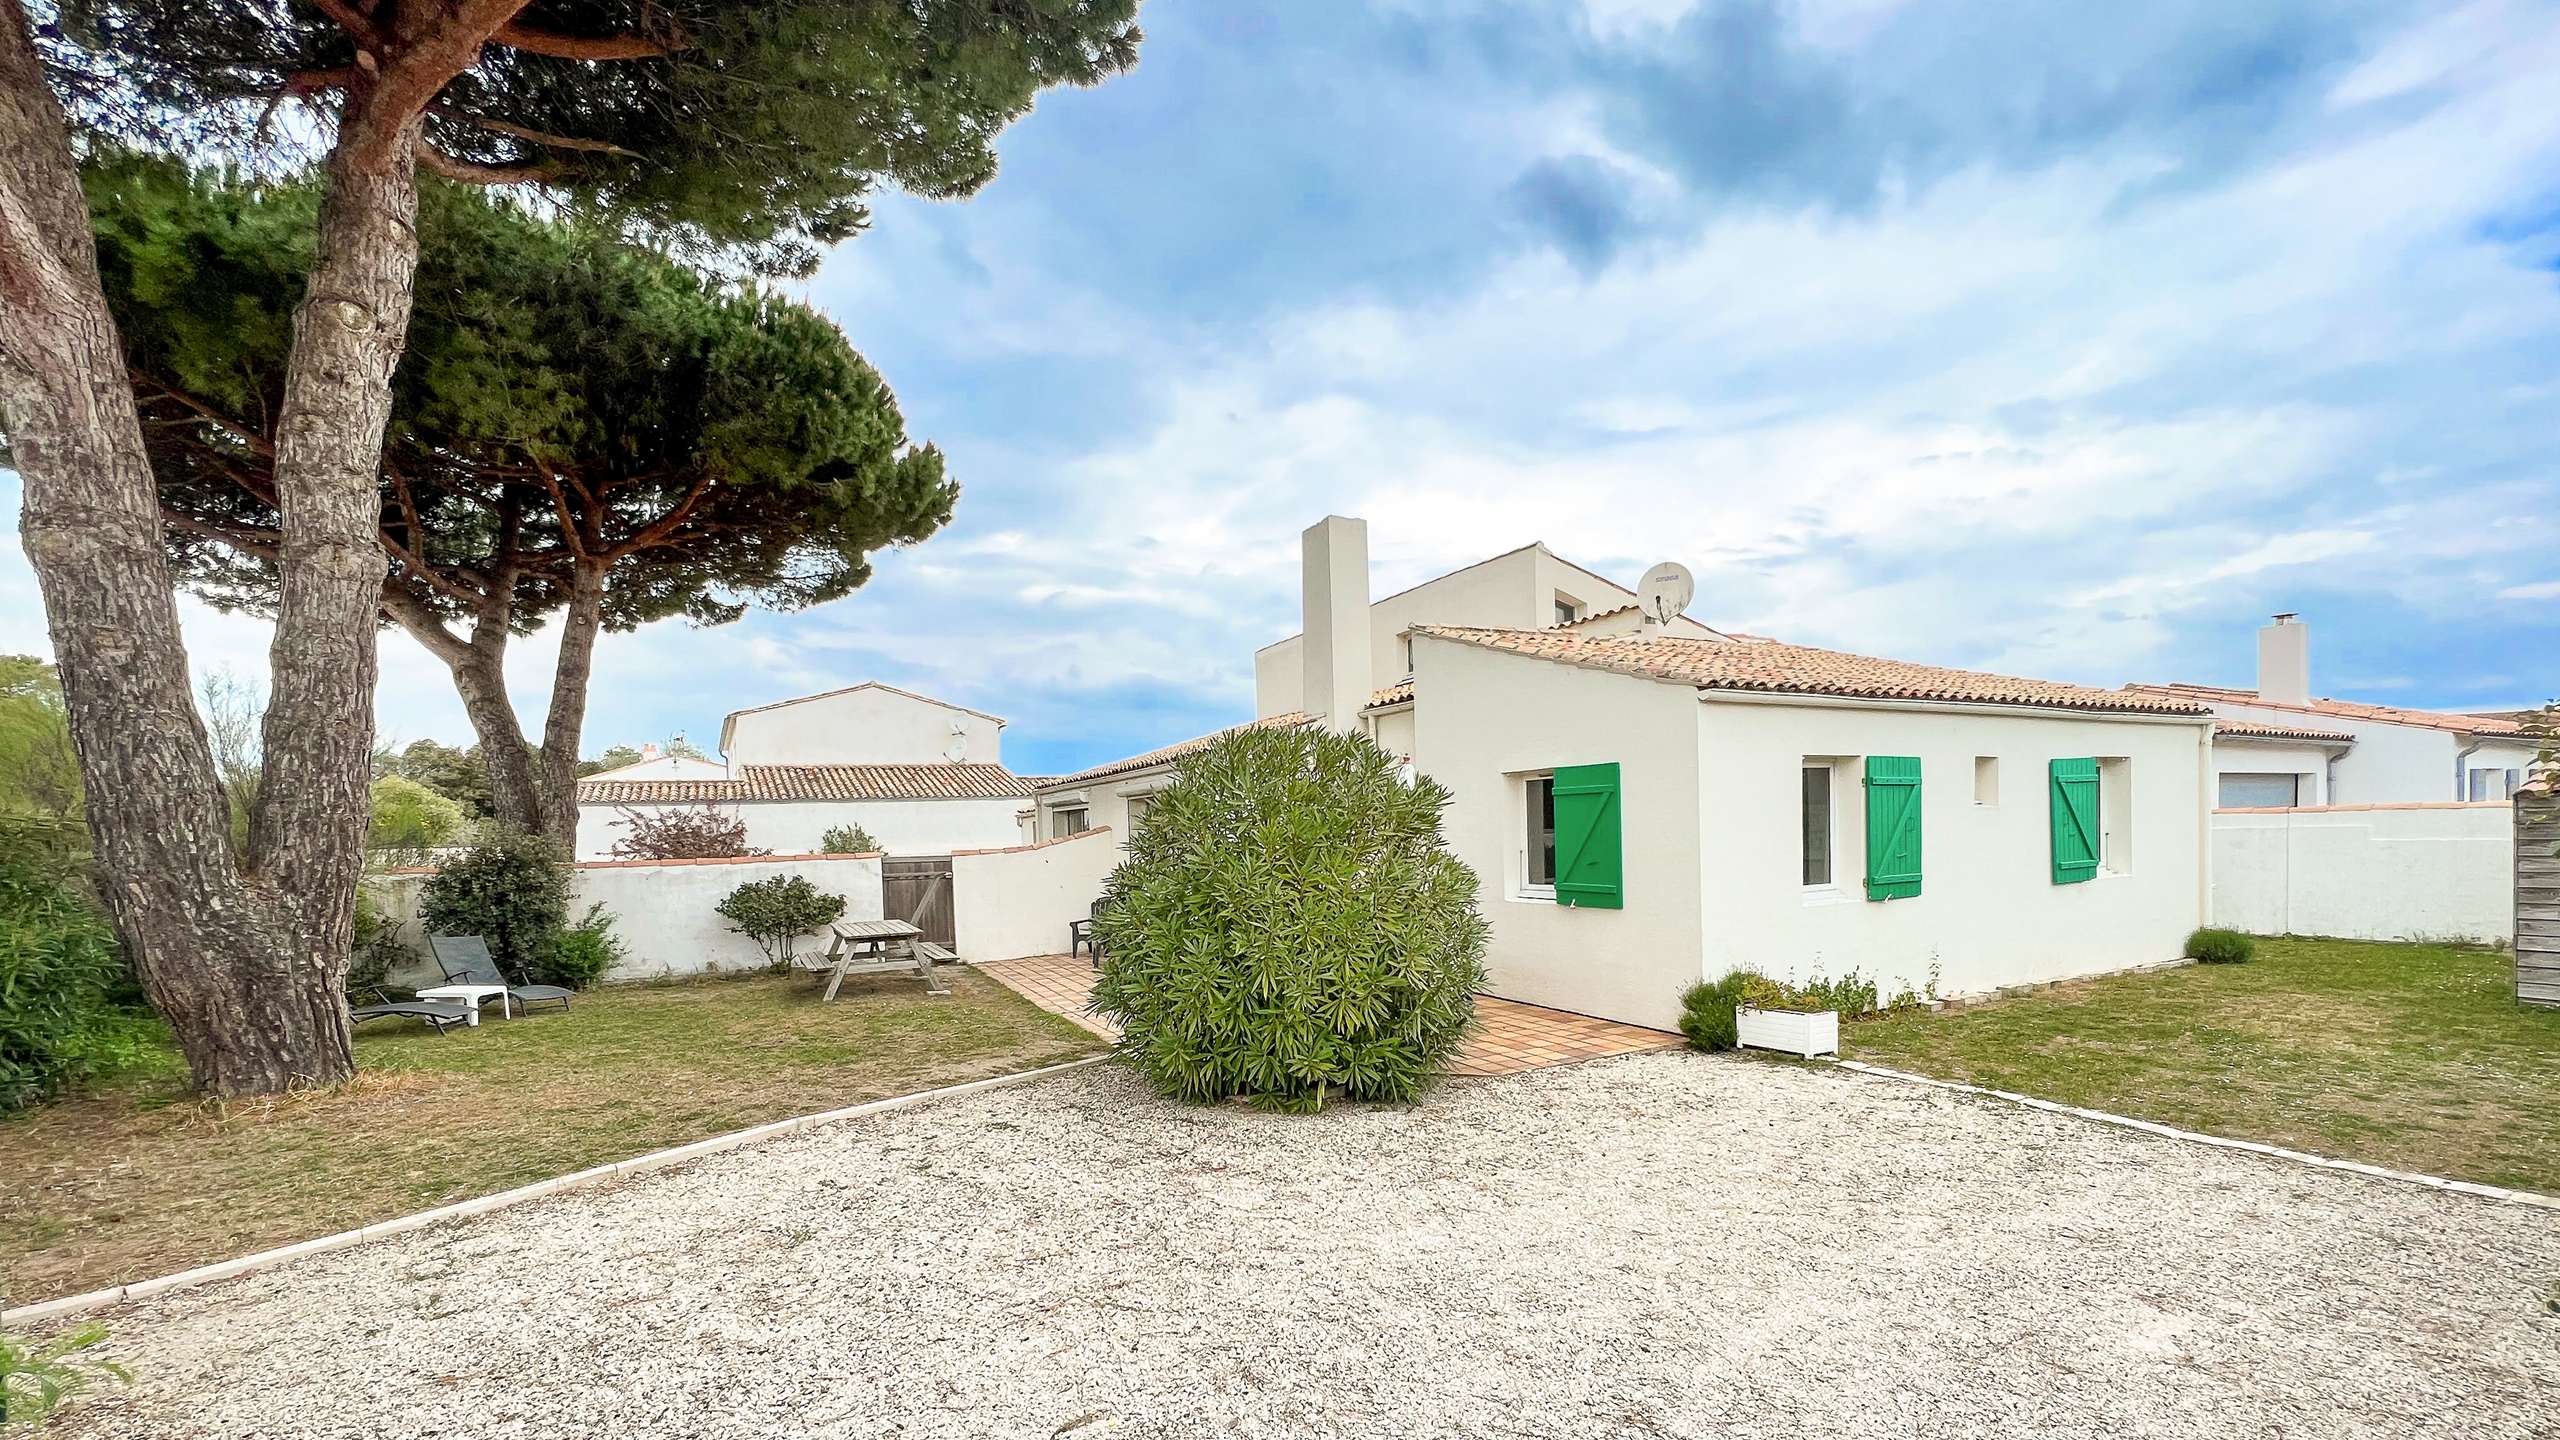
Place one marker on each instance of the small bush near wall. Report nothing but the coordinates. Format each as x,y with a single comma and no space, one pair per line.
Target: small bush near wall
582,954
849,840
510,889
1289,927
2212,946
1706,1010
66,1009
775,913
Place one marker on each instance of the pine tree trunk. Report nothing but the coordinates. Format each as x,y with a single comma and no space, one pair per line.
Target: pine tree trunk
564,728
254,1006
480,678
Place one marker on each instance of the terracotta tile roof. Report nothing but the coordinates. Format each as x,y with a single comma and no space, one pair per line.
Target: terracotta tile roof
1396,694
2242,730
1802,670
815,782
1168,753
2341,710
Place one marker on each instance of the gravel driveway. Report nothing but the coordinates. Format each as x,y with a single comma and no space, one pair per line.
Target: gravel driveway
1664,1244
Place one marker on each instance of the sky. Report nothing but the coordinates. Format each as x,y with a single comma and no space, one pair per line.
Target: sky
2056,341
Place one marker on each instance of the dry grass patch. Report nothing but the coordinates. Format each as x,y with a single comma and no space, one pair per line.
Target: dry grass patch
134,1180
2412,1056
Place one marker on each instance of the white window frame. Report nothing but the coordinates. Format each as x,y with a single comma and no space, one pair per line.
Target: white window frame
2115,816
1830,769
1568,609
1524,787
1058,827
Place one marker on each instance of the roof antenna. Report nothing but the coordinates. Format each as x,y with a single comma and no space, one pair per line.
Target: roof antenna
1664,593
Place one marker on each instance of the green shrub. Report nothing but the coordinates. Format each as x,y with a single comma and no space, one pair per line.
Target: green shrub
67,1010
849,840
775,913
410,820
37,1376
1288,927
509,888
379,950
1706,1010
582,954
2214,946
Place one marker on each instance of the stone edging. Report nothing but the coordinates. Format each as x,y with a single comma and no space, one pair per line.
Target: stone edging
70,1305
2220,1142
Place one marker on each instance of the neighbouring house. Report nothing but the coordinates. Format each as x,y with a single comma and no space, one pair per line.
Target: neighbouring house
923,776
656,764
2279,745
1649,804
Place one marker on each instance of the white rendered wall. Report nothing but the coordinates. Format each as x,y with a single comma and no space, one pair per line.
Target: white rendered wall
2402,872
663,767
866,726
2268,757
1393,730
1491,716
2389,764
903,827
1988,913
1019,901
1106,805
664,913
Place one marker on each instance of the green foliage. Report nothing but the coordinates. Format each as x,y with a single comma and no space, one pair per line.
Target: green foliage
762,128
584,953
509,888
727,444
38,770
1851,994
379,949
1706,1010
461,776
36,1376
2212,946
613,759
65,1011
1288,927
848,840
775,913
409,819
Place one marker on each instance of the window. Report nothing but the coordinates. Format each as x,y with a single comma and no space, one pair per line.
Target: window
1408,654
1538,872
2115,815
1817,825
1063,823
1986,779
2493,785
1138,810
1568,609
2252,790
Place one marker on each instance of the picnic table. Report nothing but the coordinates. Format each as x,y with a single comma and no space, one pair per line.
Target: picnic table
880,947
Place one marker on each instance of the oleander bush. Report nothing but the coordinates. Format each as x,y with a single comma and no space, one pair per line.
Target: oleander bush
2213,946
68,1009
1289,927
848,840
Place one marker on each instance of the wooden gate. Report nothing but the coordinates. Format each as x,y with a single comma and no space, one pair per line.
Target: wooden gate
2537,817
917,889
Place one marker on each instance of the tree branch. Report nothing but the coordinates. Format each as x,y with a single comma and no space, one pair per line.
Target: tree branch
522,132
665,525
469,173
411,614
248,539
358,25
534,41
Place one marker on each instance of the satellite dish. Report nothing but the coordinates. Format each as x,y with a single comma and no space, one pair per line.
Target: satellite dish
1665,592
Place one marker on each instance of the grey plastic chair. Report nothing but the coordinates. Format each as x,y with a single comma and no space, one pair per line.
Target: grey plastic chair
465,960
441,1014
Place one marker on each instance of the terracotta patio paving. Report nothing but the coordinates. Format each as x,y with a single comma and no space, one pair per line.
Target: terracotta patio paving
1509,1038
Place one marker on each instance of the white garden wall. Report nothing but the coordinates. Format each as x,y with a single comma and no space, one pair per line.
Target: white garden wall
2367,872
1019,900
797,827
664,910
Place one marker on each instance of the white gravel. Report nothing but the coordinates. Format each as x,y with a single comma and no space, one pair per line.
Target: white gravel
1663,1244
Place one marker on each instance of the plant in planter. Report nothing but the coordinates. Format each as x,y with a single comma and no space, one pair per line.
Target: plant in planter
1802,1020
775,913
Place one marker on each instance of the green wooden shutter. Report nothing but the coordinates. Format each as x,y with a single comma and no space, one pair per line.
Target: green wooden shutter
1893,826
1590,859
2075,821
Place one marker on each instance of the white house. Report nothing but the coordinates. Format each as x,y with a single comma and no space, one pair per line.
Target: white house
923,776
656,764
2279,745
1646,805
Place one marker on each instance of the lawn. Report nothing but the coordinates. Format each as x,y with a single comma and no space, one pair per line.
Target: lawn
2411,1056
132,1180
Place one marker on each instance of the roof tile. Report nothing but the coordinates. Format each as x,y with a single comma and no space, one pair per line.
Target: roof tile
1802,670
2342,710
816,782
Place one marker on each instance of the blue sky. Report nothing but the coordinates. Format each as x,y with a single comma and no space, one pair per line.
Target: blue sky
2067,345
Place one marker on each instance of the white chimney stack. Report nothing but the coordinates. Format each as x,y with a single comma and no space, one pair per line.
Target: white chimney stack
2284,661
1335,643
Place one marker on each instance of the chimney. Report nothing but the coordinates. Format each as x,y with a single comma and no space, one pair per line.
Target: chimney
1335,643
648,749
2284,661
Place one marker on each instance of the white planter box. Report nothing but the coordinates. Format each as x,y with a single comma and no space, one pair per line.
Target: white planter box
1797,1034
